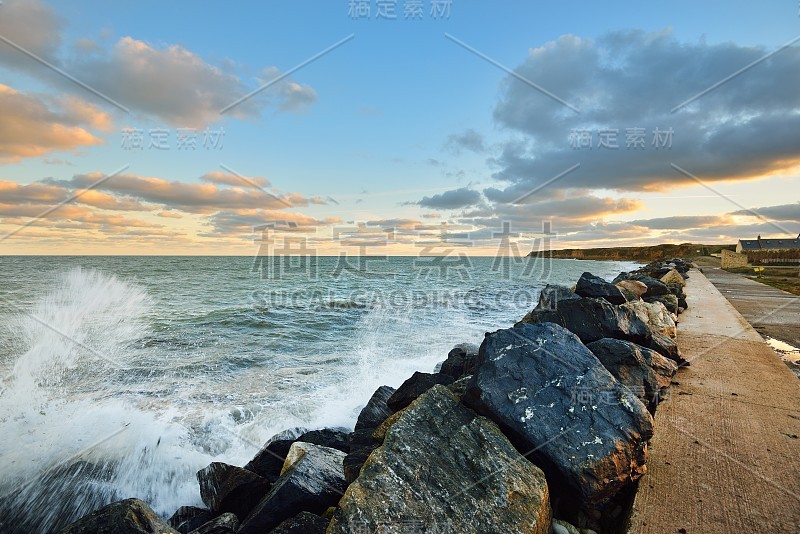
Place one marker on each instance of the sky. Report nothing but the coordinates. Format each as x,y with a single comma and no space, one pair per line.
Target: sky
395,127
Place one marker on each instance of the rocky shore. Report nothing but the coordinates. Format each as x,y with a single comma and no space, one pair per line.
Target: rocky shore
543,428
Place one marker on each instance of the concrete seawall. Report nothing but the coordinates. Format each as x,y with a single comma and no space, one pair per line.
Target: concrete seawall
725,456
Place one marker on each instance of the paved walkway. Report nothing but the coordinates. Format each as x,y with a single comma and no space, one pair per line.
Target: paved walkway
725,456
772,312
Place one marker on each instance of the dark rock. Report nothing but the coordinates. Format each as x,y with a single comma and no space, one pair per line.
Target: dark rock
227,523
590,319
335,438
553,294
442,468
667,347
593,286
555,399
227,488
643,371
669,301
361,446
188,518
361,442
130,516
303,523
269,460
415,386
654,287
376,411
312,480
460,361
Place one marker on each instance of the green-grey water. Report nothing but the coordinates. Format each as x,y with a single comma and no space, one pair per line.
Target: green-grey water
153,367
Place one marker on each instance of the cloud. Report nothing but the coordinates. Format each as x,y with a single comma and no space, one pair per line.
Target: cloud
170,214
168,82
223,178
31,25
189,197
682,222
242,222
468,140
741,130
453,199
30,128
784,212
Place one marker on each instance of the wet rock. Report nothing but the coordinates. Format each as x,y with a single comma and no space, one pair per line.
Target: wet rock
225,524
187,518
361,441
303,523
460,361
656,315
552,295
361,446
442,468
130,516
312,480
376,411
590,319
654,287
335,438
593,286
667,347
634,287
669,301
646,373
227,488
269,460
585,429
415,386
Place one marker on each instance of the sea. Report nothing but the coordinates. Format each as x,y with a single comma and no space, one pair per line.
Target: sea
123,376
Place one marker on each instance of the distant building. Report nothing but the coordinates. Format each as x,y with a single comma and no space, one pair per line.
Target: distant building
747,245
770,251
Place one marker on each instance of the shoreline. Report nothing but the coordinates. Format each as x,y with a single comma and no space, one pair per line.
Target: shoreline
621,365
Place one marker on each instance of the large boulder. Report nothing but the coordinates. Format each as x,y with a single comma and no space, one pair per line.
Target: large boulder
227,488
377,410
590,319
593,286
415,386
312,480
656,315
130,516
583,427
269,460
667,347
460,361
670,302
361,441
643,371
673,277
634,287
303,523
335,438
654,287
225,524
442,468
188,518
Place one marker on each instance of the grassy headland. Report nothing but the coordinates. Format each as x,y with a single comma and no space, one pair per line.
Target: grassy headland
644,254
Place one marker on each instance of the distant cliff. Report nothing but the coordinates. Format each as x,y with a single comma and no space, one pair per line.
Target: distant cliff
652,253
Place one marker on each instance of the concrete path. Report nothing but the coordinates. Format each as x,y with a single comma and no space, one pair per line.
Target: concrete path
772,312
725,456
